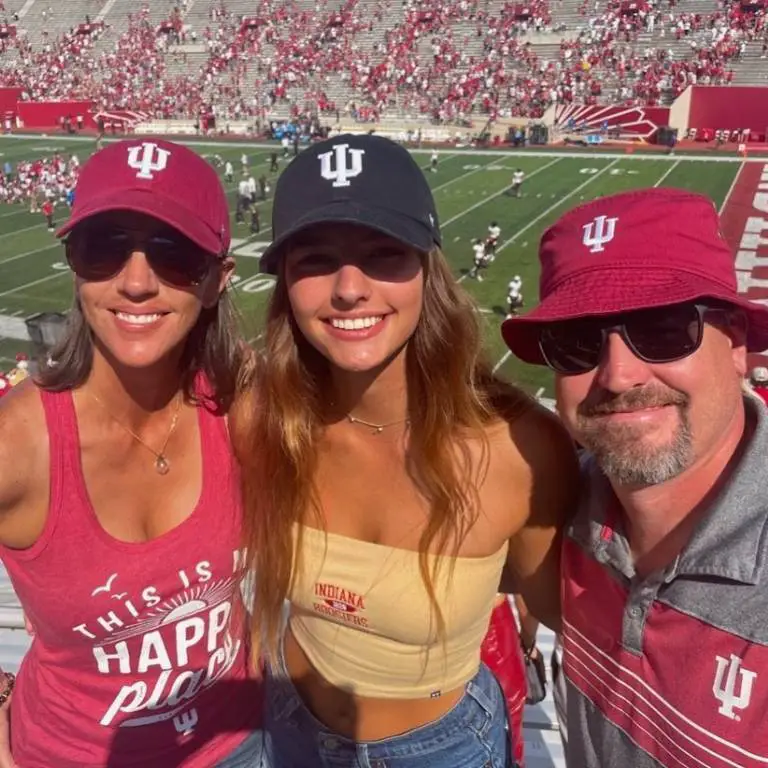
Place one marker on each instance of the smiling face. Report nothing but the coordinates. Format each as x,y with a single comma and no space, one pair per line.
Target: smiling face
646,423
136,317
356,295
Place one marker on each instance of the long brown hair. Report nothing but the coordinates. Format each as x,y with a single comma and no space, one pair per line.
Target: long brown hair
277,421
214,347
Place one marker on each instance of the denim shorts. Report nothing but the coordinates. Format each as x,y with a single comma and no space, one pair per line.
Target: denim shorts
473,734
250,754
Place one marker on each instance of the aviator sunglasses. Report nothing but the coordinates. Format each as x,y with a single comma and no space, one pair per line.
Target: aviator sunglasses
99,250
659,335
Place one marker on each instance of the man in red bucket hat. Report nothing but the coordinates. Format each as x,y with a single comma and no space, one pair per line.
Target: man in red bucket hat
665,563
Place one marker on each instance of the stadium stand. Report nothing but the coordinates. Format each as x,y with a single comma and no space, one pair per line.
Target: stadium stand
443,60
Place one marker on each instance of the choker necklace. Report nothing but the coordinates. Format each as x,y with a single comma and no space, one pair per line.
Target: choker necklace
377,428
162,465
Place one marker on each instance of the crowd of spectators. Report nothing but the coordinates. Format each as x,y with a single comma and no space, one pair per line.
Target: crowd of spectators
447,60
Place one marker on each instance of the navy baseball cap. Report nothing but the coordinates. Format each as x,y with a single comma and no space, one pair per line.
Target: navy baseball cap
355,179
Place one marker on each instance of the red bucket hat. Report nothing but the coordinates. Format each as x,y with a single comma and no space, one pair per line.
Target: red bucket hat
161,179
635,250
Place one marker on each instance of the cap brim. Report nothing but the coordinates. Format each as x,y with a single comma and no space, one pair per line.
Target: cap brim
152,204
615,292
402,228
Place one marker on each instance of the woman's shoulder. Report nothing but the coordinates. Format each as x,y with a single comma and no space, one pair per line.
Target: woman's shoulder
23,443
527,437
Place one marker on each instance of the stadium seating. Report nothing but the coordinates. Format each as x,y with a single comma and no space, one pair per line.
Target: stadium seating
444,60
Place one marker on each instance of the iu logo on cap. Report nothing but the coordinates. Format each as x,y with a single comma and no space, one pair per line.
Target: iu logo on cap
598,232
147,159
349,163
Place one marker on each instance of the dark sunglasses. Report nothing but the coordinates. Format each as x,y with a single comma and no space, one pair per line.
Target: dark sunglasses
660,335
99,251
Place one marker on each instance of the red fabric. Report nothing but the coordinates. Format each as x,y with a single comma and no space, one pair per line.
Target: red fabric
134,659
762,392
633,250
502,654
161,179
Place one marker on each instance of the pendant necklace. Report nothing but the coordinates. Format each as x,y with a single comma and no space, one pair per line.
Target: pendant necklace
162,465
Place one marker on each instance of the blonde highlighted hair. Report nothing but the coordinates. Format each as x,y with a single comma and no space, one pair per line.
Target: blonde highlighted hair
278,419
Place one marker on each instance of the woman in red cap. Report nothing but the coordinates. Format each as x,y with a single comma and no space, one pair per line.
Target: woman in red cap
120,509
390,479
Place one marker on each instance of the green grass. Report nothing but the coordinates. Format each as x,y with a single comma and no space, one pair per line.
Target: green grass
469,189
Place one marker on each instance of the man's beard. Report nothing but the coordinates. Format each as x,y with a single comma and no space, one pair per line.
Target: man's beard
620,450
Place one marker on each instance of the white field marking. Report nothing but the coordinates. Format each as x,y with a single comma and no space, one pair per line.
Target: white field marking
549,210
463,175
502,360
56,244
496,194
40,224
23,209
235,146
731,188
666,173
36,282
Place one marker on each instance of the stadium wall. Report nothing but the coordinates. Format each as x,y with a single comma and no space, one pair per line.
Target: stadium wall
728,107
680,110
48,114
9,97
630,123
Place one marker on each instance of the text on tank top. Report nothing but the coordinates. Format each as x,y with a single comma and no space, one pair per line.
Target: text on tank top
132,640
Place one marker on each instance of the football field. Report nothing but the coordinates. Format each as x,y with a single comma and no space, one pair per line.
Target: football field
471,189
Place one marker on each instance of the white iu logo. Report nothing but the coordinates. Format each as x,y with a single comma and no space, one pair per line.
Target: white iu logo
344,170
147,159
598,232
724,687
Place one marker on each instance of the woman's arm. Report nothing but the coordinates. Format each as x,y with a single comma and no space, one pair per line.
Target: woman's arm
549,483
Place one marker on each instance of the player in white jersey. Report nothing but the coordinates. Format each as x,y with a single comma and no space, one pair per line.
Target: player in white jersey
514,295
517,182
481,260
492,240
229,172
243,199
433,162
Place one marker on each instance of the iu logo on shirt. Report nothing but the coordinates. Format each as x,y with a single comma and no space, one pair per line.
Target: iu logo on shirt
598,232
147,159
726,684
349,163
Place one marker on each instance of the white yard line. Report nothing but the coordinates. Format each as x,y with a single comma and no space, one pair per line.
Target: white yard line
36,282
503,360
731,188
57,244
666,173
463,175
549,210
500,192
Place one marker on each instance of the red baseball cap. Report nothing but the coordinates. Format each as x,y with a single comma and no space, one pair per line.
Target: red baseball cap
161,179
635,250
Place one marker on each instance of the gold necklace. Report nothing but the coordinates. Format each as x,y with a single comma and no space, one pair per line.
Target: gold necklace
377,428
162,465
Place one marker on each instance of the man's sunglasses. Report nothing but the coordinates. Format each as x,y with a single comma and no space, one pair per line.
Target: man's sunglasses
660,335
99,251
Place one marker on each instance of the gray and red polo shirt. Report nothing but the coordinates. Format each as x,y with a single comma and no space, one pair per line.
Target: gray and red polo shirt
672,669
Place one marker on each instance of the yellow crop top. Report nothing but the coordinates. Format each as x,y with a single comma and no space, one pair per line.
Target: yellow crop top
361,614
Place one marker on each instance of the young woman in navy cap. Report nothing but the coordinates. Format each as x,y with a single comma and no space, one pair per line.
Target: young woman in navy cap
120,509
391,480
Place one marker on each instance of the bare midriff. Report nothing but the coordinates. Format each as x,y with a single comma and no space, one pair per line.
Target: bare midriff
360,718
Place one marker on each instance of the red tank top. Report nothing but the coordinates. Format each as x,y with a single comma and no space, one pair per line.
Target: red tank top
136,658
